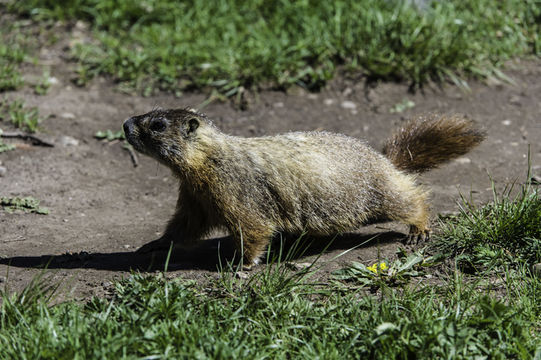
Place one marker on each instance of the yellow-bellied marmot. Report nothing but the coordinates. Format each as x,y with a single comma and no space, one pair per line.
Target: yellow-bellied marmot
302,182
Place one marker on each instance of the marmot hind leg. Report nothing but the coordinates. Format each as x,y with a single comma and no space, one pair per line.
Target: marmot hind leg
417,236
408,204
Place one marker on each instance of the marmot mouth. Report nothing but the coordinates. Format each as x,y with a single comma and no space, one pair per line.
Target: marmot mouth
134,141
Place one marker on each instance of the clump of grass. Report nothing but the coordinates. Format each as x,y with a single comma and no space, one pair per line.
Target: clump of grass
26,205
230,45
19,115
3,146
13,53
508,228
6,147
153,317
43,85
110,135
402,106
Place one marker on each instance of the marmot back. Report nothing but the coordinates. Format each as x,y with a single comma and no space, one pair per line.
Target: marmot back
314,182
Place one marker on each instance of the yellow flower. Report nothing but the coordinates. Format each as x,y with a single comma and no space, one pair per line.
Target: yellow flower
383,266
373,268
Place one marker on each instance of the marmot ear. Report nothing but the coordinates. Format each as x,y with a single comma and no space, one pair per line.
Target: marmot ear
192,125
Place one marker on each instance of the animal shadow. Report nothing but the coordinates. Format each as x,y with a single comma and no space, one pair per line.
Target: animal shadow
207,255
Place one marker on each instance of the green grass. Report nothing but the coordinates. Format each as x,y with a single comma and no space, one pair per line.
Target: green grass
507,228
26,205
275,314
3,146
110,135
231,44
19,115
12,54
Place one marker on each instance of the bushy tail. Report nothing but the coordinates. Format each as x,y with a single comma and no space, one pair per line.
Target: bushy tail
429,141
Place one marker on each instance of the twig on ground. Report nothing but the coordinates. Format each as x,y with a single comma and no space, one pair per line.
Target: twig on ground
133,154
35,140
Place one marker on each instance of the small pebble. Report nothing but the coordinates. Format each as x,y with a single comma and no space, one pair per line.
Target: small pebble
300,266
463,160
312,96
3,171
241,274
68,141
506,122
67,115
126,246
81,25
348,104
535,180
328,102
106,283
515,100
279,104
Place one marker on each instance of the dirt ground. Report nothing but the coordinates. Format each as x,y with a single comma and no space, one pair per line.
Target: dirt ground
102,208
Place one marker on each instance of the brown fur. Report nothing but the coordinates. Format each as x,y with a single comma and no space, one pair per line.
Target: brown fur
427,142
313,182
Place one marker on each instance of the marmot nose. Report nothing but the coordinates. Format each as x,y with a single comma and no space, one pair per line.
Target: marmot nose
128,126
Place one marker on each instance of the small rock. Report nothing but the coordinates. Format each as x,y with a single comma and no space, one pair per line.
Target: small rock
106,283
535,180
448,213
354,112
3,171
514,143
52,80
347,92
67,115
328,102
312,96
241,275
348,104
515,100
81,25
300,266
278,104
463,160
126,246
68,141
506,122
366,128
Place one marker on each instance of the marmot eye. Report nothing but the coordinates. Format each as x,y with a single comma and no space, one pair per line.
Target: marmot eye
158,125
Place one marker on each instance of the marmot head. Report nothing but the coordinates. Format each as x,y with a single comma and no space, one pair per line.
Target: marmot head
165,134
